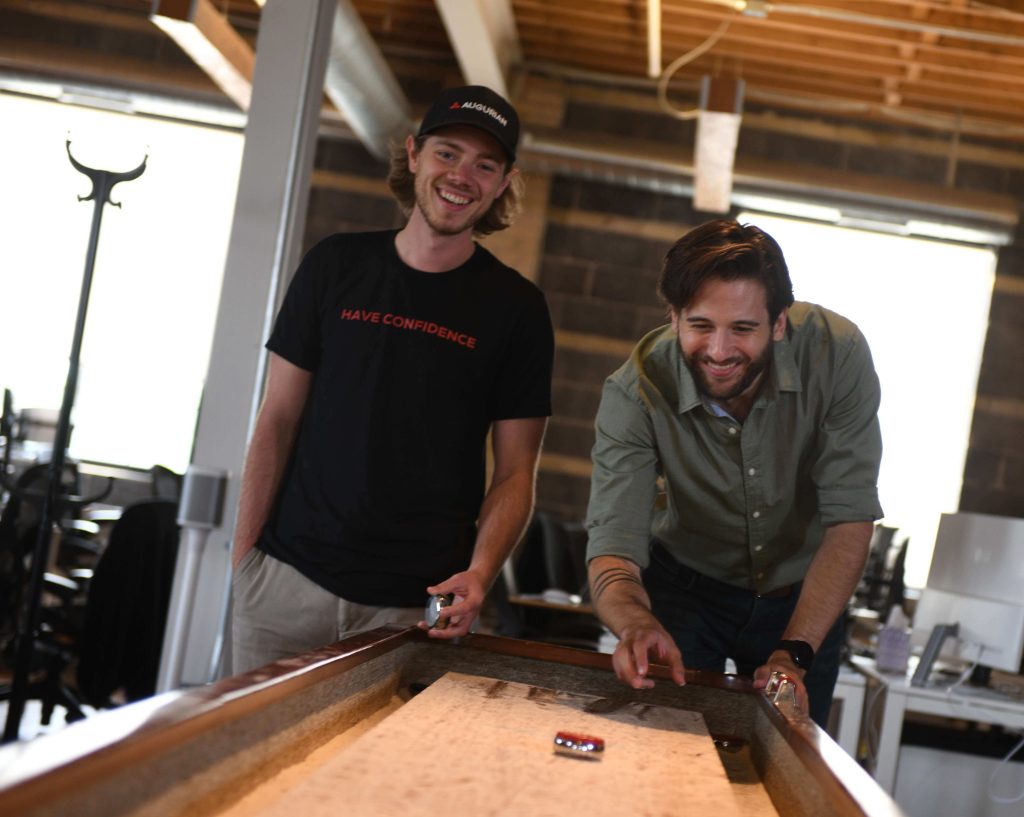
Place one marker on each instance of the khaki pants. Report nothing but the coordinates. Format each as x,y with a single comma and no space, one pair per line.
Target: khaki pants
278,613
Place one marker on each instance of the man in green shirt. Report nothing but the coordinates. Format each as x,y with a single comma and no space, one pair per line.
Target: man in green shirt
735,474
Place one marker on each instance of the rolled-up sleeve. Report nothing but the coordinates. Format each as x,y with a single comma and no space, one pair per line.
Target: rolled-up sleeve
624,482
850,450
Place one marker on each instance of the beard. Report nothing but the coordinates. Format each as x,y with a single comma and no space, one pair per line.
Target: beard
754,369
436,221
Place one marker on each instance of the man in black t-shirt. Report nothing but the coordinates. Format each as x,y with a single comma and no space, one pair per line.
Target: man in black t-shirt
393,356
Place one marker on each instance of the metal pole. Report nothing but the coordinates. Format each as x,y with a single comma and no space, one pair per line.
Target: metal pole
103,183
200,510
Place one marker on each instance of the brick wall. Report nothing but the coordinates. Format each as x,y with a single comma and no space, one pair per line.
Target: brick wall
994,472
602,252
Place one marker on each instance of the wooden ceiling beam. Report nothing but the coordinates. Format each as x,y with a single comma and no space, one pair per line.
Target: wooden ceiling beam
550,46
684,22
86,65
897,59
120,20
390,17
947,91
208,38
993,107
857,64
898,51
484,38
977,25
598,57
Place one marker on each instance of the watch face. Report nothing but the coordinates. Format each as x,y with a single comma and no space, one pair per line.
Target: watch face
432,615
800,651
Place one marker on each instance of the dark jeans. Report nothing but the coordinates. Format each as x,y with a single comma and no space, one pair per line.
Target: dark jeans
711,621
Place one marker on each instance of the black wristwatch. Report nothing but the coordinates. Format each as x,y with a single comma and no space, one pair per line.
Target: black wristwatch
801,652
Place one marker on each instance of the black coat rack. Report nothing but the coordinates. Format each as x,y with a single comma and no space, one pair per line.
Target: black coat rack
103,182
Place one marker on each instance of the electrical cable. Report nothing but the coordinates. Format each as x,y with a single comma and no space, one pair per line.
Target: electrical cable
679,62
959,682
965,711
995,798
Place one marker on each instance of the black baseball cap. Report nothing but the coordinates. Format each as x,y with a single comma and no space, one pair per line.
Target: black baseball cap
478,106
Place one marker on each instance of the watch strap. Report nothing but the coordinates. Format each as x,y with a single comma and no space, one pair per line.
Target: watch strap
801,652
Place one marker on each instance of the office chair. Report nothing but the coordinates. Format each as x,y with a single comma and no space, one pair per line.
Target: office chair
881,586
126,609
551,556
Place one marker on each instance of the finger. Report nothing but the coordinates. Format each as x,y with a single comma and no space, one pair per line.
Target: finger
761,677
454,630
454,613
800,691
675,665
623,665
459,607
639,654
626,669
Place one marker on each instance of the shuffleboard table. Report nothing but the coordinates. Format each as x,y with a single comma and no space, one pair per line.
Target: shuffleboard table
390,722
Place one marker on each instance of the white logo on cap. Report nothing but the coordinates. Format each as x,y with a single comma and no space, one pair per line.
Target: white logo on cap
479,106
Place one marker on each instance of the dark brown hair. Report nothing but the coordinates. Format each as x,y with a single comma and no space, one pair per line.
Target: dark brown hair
501,214
727,250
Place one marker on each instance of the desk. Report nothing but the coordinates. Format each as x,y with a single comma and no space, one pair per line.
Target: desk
200,751
965,703
848,706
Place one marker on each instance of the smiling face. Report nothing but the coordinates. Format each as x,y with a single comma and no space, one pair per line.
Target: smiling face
726,339
459,173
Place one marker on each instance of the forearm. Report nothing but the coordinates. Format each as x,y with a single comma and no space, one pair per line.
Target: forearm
503,516
502,519
830,581
264,467
505,512
618,594
624,606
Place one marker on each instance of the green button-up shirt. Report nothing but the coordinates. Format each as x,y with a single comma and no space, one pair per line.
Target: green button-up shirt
748,503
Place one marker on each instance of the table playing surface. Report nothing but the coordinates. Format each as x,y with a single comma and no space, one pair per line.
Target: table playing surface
488,746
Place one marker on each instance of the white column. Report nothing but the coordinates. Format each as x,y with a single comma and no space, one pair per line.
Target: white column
266,237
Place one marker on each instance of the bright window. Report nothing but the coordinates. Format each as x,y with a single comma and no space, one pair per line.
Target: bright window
923,306
156,282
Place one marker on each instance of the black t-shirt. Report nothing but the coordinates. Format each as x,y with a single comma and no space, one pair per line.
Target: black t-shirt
381,495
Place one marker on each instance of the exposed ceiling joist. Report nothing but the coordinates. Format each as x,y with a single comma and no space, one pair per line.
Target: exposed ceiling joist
358,81
484,37
208,38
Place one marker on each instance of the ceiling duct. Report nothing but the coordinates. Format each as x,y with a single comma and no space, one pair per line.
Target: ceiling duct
841,198
360,84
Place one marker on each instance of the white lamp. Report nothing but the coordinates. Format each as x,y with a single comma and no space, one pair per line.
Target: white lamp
718,128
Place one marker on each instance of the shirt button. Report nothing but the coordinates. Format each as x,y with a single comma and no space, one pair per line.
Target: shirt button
756,514
758,548
732,429
752,471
